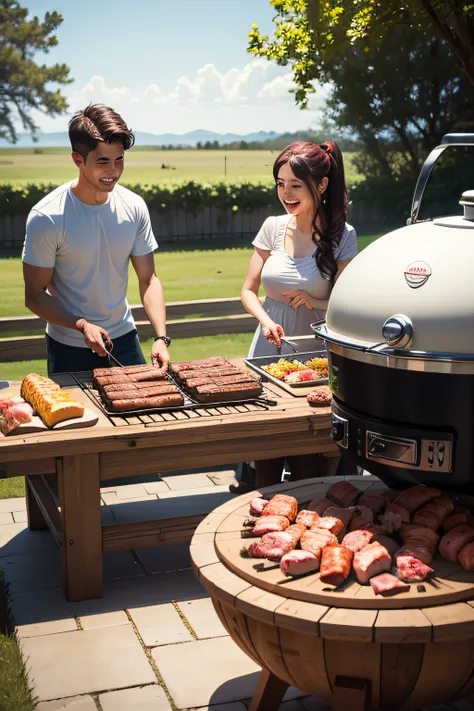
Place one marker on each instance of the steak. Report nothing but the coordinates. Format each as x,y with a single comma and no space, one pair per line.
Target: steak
387,584
204,364
434,512
127,385
299,562
119,377
150,391
370,561
282,505
454,520
375,502
452,542
411,569
410,533
466,556
416,496
362,516
344,515
356,540
402,512
343,493
320,505
335,564
226,393
416,550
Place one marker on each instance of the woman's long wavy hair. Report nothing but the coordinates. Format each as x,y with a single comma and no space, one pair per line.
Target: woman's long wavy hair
310,162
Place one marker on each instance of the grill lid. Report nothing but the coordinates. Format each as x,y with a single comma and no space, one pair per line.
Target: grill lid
412,289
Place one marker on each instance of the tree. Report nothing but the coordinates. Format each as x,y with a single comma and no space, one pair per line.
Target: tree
309,34
24,84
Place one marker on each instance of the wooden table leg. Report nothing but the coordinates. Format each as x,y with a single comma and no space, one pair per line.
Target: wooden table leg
81,552
269,692
36,520
350,693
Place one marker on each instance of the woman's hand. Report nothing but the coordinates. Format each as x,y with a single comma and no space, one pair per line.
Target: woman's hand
95,336
273,333
160,357
299,298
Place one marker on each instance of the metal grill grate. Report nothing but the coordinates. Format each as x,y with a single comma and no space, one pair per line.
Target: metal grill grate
188,411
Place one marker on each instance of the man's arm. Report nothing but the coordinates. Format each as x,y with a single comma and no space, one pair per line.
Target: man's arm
153,300
41,303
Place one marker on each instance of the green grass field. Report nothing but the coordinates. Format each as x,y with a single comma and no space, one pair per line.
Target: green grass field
54,165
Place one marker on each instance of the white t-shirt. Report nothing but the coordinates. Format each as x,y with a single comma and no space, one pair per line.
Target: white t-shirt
89,247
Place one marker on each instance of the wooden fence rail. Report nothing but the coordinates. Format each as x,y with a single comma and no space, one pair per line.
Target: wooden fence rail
221,316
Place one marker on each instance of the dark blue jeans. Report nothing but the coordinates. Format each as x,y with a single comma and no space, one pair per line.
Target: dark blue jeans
70,359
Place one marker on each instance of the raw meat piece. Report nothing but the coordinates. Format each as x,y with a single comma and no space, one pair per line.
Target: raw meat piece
356,540
389,543
299,562
7,423
454,520
319,505
315,541
282,505
370,561
362,516
375,502
330,523
345,515
410,533
279,549
275,544
269,524
307,518
322,394
21,411
416,496
452,542
417,550
141,403
390,521
343,493
460,509
402,512
335,564
257,505
411,569
387,584
434,512
466,557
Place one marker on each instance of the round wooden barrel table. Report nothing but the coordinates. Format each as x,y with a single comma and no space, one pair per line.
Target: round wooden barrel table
406,651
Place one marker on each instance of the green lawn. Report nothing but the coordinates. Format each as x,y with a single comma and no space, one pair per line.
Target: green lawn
54,165
186,275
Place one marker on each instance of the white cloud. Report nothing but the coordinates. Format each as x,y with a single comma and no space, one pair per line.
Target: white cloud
241,100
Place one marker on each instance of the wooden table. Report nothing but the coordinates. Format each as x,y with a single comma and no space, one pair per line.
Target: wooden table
64,470
364,652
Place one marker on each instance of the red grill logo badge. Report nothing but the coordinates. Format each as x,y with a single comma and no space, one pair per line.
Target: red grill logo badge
417,274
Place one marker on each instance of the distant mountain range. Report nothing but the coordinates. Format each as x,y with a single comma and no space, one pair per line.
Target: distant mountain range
59,140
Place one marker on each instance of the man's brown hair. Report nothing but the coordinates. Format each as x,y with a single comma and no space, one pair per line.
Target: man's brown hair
98,124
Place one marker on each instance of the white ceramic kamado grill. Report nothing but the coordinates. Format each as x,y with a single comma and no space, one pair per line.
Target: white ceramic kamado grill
400,339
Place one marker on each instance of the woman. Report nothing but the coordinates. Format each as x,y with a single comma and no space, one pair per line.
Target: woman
298,257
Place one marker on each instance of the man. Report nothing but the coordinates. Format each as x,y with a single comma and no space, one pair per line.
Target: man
79,240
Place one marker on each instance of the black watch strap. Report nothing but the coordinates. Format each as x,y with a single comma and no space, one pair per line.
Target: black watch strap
166,339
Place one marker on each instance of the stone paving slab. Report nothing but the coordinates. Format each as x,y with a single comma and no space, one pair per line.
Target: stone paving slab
20,516
7,517
229,674
186,481
234,706
112,498
161,559
160,624
156,487
106,619
82,662
145,698
203,618
74,703
32,571
9,505
16,539
209,489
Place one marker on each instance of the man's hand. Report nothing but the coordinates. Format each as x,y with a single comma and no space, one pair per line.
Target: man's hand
160,357
94,336
299,298
273,333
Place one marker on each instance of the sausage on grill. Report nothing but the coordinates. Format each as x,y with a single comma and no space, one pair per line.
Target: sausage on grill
146,402
142,393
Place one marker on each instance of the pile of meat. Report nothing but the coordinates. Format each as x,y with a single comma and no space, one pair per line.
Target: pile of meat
13,413
136,387
216,380
389,540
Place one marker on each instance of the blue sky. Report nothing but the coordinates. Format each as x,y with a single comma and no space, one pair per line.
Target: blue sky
173,66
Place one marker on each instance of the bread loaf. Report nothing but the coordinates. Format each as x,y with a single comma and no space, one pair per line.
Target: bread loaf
50,402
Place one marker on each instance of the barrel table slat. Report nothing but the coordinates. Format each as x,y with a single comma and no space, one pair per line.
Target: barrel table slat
449,622
359,661
303,655
351,625
399,672
393,626
296,614
259,603
236,625
266,640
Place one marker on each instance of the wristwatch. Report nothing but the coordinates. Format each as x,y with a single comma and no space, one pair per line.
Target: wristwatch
166,339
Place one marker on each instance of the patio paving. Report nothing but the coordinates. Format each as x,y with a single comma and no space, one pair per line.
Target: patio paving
153,642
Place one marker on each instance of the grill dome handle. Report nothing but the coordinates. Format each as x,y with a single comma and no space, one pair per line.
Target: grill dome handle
450,139
398,331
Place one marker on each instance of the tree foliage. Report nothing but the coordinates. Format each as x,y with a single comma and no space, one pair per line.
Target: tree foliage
25,84
309,34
